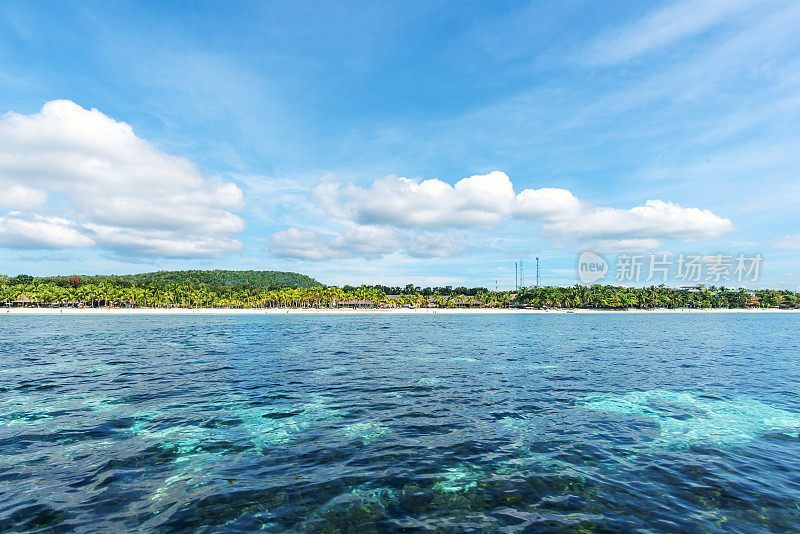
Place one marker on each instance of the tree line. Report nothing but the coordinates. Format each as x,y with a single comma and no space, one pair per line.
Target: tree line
217,277
76,291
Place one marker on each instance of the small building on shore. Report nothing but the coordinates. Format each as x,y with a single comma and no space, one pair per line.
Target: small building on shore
356,303
692,289
472,302
22,301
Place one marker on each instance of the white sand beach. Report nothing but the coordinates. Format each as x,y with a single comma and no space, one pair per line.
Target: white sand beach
366,311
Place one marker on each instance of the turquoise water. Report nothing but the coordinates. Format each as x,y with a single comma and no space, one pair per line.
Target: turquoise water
536,423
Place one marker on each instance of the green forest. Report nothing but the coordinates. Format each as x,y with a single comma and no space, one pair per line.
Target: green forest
216,278
270,289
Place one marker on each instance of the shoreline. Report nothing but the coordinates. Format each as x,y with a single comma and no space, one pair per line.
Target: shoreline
372,311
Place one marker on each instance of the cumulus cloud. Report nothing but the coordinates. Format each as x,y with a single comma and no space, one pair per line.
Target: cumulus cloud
19,231
546,204
16,196
161,243
480,200
113,188
486,200
655,220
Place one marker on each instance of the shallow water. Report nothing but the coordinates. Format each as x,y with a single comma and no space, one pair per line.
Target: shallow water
589,423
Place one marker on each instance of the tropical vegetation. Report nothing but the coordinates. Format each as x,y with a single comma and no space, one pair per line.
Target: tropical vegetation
221,278
270,289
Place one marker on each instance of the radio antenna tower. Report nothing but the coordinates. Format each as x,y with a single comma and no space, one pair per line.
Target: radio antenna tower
516,276
537,271
521,275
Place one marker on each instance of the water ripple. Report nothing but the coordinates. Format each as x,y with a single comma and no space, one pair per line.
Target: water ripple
374,424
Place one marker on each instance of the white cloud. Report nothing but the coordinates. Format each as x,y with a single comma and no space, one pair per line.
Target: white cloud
161,243
19,231
119,190
20,197
479,200
486,200
655,220
664,27
547,204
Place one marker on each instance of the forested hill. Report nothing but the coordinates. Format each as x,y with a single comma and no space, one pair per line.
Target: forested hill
217,278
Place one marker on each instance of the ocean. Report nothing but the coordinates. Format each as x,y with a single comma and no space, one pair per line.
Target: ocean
366,423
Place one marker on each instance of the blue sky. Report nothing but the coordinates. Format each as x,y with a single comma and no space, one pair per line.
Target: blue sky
338,139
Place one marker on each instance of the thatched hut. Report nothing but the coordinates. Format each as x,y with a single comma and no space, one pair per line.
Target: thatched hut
356,303
22,301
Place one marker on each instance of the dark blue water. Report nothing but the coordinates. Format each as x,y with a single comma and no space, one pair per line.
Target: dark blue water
574,423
